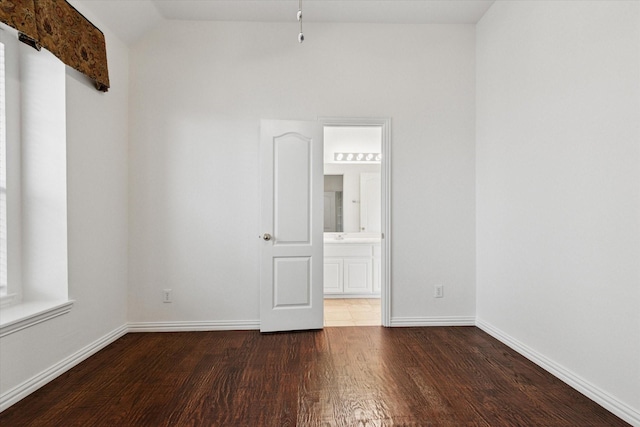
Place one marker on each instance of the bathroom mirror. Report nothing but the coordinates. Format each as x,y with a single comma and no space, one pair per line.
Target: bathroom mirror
333,205
352,199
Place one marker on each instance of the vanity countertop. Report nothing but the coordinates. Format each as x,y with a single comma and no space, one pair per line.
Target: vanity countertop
346,238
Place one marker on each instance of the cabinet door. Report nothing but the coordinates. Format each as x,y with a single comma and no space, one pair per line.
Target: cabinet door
357,275
377,269
333,275
377,272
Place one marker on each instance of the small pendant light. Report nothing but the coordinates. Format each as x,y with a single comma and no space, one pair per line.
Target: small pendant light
300,35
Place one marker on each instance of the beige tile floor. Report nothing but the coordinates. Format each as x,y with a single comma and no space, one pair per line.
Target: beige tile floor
352,312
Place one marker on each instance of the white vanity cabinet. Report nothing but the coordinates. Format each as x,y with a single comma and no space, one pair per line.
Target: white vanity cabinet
377,268
333,275
358,276
352,269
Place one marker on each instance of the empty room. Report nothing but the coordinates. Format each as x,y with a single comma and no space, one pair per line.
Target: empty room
319,213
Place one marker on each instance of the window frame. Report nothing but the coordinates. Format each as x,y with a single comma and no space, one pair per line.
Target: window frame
4,288
11,157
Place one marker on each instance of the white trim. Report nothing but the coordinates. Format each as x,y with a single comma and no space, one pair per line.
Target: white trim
433,321
26,388
385,165
8,300
192,326
590,390
20,316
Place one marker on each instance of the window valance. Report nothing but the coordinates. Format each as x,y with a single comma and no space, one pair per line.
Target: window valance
61,29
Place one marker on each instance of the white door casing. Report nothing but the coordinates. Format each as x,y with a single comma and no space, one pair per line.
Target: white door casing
292,190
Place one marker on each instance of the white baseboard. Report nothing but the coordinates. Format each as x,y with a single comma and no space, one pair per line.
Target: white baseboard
433,321
22,390
189,326
593,392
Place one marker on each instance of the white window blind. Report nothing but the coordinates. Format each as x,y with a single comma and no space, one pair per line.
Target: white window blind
32,97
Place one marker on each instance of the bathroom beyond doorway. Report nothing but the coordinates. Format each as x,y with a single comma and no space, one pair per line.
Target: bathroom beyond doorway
352,157
357,250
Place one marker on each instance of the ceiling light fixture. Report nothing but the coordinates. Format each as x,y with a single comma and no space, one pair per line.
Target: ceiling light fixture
357,157
300,35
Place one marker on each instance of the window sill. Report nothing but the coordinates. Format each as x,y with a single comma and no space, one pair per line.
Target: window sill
26,314
8,300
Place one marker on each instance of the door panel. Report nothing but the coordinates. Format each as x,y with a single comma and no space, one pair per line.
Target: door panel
292,214
291,282
292,178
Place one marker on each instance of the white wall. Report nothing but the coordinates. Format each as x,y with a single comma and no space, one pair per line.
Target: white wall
352,139
97,127
558,186
198,91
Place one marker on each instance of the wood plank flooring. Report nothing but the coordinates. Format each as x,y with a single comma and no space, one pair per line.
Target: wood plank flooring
348,376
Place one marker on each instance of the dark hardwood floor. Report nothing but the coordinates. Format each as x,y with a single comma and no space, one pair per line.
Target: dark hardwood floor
352,376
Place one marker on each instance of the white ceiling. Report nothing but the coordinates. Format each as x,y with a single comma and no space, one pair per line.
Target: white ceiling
395,11
130,19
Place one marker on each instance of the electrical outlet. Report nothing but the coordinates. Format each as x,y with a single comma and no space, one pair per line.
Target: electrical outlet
166,295
438,291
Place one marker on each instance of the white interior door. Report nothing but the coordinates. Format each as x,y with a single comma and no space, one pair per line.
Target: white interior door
370,207
292,225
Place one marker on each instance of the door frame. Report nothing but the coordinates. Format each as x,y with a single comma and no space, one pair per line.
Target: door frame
385,199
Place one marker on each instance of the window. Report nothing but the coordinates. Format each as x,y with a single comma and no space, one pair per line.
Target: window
9,124
33,186
10,253
3,181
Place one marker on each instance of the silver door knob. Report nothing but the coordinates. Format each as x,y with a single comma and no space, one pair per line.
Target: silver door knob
266,236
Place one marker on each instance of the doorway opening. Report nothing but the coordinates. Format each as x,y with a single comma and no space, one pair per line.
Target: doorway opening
356,222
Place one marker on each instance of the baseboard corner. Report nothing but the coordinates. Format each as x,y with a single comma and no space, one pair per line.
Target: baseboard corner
24,389
601,397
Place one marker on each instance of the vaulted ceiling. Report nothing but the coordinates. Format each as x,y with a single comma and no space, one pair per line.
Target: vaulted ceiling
130,19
